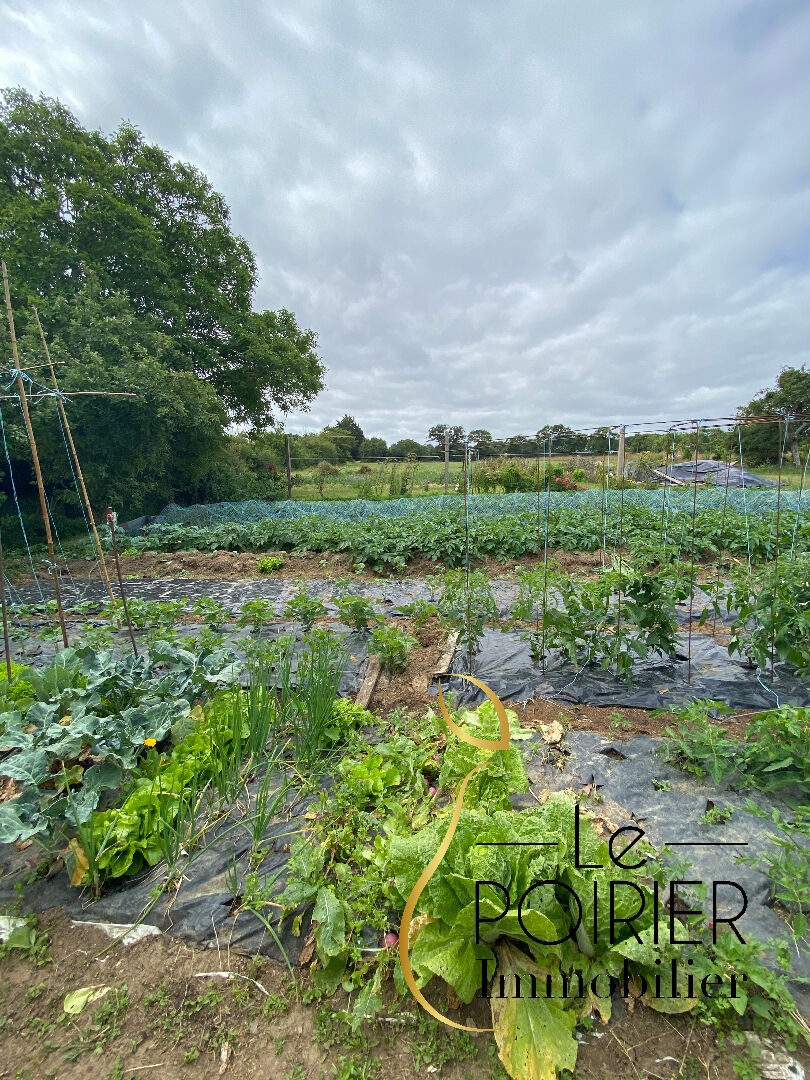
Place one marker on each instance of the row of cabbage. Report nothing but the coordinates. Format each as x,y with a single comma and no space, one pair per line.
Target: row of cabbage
668,533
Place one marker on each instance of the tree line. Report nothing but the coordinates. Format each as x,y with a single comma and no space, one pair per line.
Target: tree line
760,443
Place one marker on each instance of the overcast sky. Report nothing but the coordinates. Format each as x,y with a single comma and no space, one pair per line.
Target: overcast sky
493,214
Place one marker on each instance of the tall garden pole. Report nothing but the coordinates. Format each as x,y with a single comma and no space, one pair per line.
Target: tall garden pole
446,460
288,465
43,506
112,521
75,457
620,455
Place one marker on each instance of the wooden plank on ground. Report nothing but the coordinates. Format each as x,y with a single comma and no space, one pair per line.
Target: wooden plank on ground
447,656
369,682
668,478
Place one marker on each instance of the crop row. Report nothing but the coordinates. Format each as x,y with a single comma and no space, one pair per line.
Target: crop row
389,542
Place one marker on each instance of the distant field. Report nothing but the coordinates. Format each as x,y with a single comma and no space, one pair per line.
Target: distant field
392,480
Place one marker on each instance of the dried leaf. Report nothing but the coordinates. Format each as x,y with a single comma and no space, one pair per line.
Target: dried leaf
75,1001
81,864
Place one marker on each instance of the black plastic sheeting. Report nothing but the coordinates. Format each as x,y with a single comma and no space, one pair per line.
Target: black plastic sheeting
233,594
204,909
616,780
38,652
505,664
717,473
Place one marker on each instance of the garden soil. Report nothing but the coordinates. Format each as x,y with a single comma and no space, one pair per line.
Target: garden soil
167,1021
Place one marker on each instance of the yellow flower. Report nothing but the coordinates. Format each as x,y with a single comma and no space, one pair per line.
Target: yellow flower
150,742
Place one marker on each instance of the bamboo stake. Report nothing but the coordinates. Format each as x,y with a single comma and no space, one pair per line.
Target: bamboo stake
75,457
111,523
43,506
6,641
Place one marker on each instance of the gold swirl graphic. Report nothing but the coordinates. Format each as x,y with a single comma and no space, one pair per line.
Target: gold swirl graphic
410,907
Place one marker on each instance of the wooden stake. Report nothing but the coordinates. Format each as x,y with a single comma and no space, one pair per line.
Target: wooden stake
111,523
43,506
446,461
288,466
76,465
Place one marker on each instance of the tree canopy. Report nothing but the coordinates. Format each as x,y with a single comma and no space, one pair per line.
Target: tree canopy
140,283
789,399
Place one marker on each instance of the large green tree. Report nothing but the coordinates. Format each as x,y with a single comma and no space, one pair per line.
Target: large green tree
349,432
789,400
141,284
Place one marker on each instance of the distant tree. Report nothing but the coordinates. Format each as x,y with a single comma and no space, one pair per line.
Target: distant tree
602,439
704,442
791,396
403,447
437,433
481,440
652,442
347,425
519,444
307,450
373,448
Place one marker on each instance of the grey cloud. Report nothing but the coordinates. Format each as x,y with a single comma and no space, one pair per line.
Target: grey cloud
498,216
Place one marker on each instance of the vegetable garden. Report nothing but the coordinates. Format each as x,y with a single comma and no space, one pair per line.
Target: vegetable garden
199,764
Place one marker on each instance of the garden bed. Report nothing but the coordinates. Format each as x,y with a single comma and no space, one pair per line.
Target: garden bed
235,871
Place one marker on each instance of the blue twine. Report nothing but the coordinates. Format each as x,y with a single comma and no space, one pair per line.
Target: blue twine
564,688
17,505
768,690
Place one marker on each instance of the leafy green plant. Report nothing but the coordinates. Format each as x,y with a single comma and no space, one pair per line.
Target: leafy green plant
156,819
697,744
619,720
531,604
467,605
100,707
787,863
419,611
773,614
269,564
717,815
305,608
505,773
500,846
393,645
210,611
623,615
373,775
771,756
27,941
356,611
255,613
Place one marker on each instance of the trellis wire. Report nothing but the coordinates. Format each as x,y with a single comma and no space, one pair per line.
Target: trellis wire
745,505
467,552
547,473
692,560
18,507
799,508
